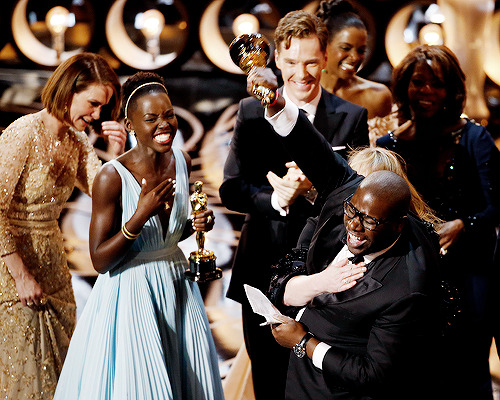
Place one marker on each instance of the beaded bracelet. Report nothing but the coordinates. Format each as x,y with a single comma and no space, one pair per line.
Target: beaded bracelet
128,235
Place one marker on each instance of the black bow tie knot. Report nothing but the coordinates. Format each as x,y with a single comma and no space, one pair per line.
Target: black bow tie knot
357,259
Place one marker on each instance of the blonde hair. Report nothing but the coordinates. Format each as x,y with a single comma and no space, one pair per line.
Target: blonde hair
370,159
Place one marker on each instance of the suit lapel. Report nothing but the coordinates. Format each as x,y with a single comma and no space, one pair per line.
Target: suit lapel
330,229
327,120
371,281
365,285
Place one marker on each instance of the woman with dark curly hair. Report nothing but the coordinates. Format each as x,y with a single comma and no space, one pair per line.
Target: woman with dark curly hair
453,162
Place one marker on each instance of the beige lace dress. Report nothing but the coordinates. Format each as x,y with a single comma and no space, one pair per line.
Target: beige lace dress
38,173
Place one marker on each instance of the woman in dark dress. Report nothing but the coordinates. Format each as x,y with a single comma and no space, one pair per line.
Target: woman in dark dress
454,163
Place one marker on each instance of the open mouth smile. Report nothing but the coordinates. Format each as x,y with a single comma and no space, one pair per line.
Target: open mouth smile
162,138
355,240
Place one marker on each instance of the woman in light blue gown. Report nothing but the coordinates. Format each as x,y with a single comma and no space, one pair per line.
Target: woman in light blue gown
144,333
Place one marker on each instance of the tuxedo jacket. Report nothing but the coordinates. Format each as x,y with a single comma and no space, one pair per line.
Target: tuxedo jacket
254,151
382,331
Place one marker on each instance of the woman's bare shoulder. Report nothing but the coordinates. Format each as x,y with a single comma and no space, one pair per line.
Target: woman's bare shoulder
375,96
107,182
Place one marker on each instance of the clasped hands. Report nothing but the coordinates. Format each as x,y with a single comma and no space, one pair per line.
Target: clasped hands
292,185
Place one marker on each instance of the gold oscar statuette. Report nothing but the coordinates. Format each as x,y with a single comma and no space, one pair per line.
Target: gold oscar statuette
202,261
250,51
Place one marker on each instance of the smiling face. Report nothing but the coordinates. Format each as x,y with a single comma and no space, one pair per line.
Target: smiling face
426,91
153,119
364,241
301,66
86,106
346,52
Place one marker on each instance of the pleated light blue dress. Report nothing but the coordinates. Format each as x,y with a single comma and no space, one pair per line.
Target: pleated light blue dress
144,333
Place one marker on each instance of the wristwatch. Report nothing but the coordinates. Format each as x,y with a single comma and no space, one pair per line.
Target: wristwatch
300,348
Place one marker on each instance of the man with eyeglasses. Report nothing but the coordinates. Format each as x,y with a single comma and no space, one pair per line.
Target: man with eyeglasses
374,340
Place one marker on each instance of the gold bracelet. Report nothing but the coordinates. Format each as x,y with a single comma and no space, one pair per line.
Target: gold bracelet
128,235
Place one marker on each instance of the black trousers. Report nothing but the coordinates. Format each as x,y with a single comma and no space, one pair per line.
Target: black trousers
269,360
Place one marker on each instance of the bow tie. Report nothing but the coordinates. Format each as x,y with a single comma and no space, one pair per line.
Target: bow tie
357,259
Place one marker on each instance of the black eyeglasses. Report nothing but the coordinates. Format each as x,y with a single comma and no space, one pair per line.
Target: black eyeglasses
370,223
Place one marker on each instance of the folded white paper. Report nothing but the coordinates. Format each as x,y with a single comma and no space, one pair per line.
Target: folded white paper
261,305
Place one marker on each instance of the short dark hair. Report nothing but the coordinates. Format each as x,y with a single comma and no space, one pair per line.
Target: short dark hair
441,60
300,24
339,15
75,75
135,81
390,186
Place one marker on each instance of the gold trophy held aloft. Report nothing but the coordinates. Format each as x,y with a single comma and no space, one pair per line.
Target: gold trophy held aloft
202,261
250,51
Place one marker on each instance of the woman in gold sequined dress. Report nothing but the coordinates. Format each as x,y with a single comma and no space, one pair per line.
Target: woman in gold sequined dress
43,157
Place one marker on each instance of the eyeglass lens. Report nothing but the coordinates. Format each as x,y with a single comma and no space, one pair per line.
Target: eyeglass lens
367,221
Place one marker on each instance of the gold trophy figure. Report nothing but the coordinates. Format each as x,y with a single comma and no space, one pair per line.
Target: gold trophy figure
202,261
250,51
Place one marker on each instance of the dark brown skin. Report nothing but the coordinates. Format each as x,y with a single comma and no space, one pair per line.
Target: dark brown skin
153,166
291,332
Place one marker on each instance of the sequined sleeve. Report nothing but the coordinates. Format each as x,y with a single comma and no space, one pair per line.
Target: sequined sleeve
88,165
15,145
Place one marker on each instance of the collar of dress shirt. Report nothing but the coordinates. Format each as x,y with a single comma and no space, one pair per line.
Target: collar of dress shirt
367,258
310,108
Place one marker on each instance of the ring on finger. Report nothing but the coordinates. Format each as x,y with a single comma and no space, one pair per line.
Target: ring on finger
210,219
346,281
167,206
29,303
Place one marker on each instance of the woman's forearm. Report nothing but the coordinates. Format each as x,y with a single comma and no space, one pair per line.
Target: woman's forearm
15,265
301,289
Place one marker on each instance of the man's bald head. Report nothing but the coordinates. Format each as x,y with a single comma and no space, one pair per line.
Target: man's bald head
390,188
384,197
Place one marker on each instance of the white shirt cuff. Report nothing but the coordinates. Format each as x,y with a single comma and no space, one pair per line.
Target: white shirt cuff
274,202
284,121
319,354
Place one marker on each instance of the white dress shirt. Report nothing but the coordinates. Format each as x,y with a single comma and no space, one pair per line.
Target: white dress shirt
288,122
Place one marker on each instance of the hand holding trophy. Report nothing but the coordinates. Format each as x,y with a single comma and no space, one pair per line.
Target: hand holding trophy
249,51
201,261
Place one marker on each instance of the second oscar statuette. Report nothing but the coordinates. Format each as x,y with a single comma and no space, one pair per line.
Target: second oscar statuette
202,266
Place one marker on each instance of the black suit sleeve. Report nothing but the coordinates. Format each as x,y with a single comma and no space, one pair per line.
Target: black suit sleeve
241,189
315,157
307,233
